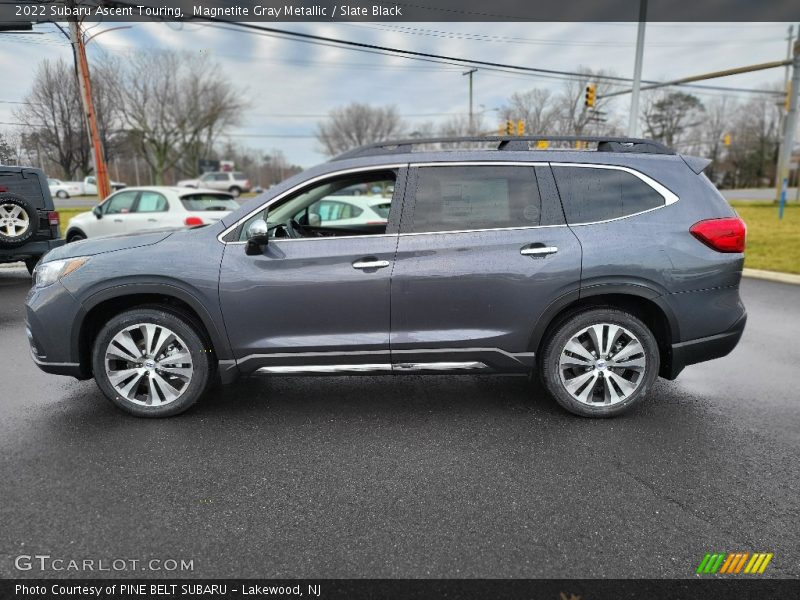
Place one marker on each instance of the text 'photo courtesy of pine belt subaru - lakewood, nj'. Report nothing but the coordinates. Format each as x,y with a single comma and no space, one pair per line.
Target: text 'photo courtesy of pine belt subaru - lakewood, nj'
597,268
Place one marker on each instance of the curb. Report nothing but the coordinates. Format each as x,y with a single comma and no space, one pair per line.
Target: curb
772,276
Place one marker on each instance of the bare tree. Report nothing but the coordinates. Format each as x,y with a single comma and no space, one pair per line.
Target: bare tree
668,116
174,106
459,126
535,107
7,154
754,149
358,124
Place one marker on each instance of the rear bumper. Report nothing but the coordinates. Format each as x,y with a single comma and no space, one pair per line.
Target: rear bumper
703,349
31,249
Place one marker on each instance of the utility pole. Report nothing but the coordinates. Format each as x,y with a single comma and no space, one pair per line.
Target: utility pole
785,113
789,128
633,123
84,82
471,120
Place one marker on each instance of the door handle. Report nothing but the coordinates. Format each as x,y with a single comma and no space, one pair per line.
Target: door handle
117,220
370,264
152,220
538,250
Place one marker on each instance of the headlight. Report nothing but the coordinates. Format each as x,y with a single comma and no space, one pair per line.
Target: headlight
50,272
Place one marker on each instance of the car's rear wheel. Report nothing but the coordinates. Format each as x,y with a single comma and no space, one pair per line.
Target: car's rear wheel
599,362
235,191
62,194
18,220
75,236
151,362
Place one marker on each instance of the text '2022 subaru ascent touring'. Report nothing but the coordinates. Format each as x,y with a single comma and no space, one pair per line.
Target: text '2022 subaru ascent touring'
599,268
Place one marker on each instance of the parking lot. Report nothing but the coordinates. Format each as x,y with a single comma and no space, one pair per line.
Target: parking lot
445,476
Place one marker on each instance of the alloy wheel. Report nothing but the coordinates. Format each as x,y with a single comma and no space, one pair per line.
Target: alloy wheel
602,364
148,364
14,220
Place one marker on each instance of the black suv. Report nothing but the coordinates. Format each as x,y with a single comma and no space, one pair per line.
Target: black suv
29,225
599,268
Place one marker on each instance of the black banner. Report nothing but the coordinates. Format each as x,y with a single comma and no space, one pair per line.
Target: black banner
413,589
386,10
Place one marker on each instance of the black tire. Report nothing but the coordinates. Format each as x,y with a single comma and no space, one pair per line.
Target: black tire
30,263
75,236
572,325
11,233
201,359
62,194
235,191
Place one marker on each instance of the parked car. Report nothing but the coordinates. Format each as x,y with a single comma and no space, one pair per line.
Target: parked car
88,187
138,209
59,189
234,182
598,270
336,211
29,224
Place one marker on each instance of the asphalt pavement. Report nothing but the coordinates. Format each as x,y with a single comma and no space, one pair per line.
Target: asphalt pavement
443,476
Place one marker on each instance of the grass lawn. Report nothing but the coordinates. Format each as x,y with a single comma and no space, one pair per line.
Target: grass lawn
772,245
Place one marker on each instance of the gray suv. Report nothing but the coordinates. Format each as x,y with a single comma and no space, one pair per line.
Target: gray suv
599,269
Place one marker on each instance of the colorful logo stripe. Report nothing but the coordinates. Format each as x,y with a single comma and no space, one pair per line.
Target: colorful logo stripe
734,562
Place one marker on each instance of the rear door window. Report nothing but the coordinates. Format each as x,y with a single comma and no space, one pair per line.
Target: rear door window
591,194
151,202
475,197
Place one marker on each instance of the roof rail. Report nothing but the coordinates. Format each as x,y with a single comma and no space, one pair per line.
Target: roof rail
510,143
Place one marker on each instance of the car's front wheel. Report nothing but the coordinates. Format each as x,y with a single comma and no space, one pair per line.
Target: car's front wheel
599,362
151,362
235,191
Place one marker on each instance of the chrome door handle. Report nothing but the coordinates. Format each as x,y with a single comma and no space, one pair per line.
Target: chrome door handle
538,250
117,220
152,220
370,264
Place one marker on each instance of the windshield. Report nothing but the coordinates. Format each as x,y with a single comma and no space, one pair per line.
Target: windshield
205,202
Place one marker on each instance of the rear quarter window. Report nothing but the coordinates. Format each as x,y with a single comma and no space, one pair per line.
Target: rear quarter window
591,194
208,202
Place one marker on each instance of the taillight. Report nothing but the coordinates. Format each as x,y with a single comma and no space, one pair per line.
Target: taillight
192,221
723,235
53,218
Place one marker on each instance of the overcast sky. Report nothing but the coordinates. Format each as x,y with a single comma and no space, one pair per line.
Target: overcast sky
291,85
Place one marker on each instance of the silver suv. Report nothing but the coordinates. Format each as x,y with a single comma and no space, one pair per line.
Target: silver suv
234,182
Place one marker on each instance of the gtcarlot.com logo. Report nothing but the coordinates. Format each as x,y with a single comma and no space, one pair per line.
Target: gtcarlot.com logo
734,563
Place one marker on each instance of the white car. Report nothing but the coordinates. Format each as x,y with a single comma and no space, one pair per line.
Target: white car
344,211
63,189
137,209
234,182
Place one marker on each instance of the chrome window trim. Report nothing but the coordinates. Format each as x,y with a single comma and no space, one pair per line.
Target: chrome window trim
668,195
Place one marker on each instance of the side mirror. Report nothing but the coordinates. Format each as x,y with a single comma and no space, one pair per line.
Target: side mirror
314,220
97,212
257,236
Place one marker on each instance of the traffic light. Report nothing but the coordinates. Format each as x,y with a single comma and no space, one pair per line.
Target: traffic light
591,95
509,127
727,139
542,145
520,127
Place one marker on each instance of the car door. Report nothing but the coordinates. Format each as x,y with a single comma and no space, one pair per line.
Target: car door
149,212
483,251
117,211
316,304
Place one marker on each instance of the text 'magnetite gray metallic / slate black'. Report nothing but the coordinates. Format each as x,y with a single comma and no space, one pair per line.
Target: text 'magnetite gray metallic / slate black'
599,269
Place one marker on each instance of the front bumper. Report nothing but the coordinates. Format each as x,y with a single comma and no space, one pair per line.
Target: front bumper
50,315
691,352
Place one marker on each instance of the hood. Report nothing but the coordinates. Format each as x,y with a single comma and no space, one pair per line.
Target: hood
112,243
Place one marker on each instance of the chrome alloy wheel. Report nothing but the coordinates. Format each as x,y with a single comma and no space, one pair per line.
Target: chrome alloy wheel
14,220
148,364
602,364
